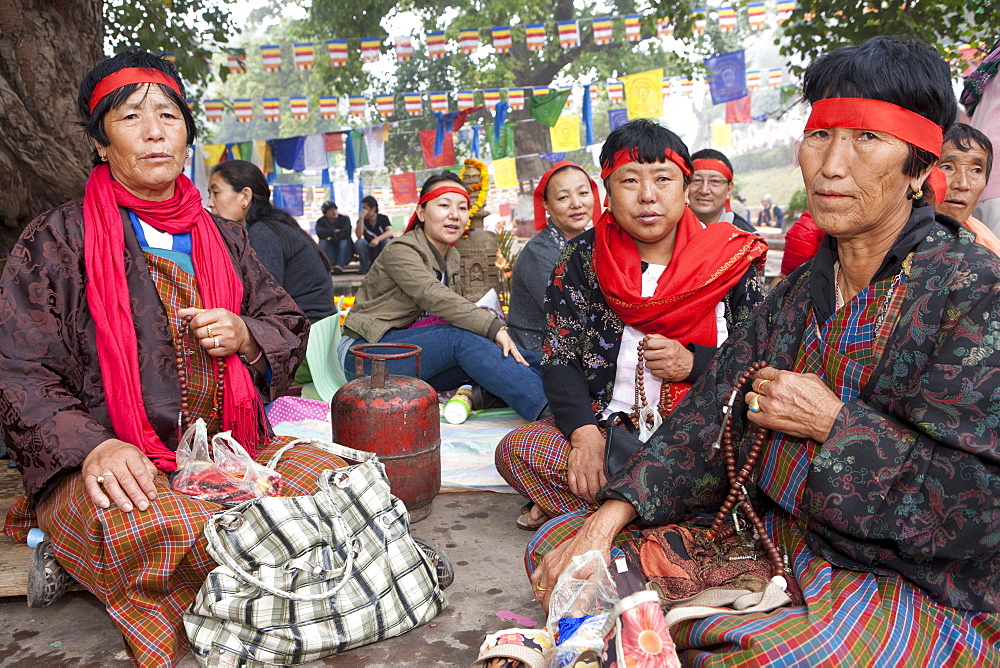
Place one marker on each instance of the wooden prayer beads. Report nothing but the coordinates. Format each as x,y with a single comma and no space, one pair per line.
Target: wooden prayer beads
666,403
737,482
181,363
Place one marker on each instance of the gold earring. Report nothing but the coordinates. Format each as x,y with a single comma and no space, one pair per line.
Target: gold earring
917,194
104,158
188,153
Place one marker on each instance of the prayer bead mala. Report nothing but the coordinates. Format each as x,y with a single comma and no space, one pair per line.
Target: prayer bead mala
666,401
737,481
181,342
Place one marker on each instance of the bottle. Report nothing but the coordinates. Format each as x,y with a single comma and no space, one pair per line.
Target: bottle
458,408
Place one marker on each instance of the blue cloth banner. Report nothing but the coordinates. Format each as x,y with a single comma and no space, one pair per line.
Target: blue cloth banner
289,153
554,157
349,165
289,198
500,118
728,80
475,140
617,117
588,116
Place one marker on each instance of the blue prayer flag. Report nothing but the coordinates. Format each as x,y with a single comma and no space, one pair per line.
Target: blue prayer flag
728,80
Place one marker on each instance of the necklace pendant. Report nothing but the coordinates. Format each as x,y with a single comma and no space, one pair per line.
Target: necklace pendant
649,421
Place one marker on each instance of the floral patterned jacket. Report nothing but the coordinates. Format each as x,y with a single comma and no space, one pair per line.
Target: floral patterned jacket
580,353
909,478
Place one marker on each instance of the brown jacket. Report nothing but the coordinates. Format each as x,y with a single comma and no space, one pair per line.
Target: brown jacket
405,282
52,406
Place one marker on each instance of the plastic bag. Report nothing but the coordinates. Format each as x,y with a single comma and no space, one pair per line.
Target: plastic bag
579,606
230,478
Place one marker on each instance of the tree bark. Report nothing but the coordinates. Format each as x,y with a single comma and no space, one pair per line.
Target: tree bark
46,47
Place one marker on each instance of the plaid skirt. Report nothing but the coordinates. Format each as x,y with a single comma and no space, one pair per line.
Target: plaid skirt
849,617
533,459
147,567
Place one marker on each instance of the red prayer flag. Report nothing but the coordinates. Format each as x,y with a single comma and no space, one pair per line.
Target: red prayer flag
334,141
447,157
404,188
738,111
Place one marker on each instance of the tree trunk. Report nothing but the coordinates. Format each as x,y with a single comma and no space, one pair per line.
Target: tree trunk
46,47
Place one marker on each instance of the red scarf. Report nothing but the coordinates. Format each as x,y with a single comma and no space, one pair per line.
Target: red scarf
108,296
706,263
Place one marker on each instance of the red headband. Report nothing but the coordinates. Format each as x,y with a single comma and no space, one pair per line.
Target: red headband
878,115
627,155
131,75
436,192
541,217
713,165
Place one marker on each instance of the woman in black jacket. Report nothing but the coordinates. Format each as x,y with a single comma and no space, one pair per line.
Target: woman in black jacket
238,190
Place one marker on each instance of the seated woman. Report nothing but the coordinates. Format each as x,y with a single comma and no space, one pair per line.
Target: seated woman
566,200
237,190
125,316
637,308
413,295
874,415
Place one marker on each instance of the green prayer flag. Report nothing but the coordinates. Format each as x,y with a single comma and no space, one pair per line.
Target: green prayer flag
360,149
244,150
505,147
547,108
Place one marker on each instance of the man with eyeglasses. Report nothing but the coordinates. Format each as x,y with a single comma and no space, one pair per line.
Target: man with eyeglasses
711,187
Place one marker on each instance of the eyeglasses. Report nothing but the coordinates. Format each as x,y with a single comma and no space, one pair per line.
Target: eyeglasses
714,184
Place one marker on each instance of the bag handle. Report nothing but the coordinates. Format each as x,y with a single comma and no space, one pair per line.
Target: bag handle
333,448
222,554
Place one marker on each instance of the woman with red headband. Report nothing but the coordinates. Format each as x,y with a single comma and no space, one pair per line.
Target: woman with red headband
566,201
412,294
860,408
124,317
636,309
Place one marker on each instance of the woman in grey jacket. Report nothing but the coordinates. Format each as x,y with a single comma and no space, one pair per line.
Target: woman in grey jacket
413,294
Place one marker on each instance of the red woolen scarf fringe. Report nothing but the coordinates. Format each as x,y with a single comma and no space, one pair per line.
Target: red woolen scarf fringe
108,296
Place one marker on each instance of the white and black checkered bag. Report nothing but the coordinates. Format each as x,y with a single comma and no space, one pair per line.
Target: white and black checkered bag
306,577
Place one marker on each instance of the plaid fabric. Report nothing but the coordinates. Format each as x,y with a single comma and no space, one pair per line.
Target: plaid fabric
288,591
843,352
179,289
533,460
147,567
850,618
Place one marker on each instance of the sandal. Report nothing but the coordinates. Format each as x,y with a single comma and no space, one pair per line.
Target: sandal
47,579
524,519
439,560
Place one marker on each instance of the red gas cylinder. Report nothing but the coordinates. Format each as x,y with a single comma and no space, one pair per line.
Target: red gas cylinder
396,417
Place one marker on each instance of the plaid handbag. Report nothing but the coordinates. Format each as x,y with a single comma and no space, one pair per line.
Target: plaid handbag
305,577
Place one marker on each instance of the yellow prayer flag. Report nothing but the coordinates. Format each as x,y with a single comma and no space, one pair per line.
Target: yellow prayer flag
262,156
213,153
644,94
566,134
722,135
505,174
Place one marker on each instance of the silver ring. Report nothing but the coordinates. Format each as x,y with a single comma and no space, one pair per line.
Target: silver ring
100,478
216,342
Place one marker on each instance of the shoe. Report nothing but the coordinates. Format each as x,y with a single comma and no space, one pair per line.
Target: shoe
47,580
483,398
336,269
439,560
524,519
